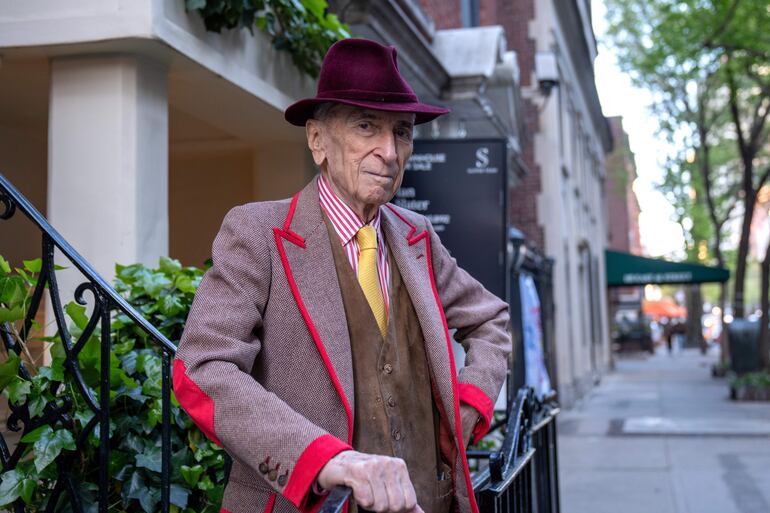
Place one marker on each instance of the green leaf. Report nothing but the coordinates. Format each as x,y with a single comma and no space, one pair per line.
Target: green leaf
9,370
123,347
18,391
48,444
53,373
170,265
11,314
14,485
149,458
205,483
153,367
5,267
154,283
77,313
148,497
191,474
33,266
179,495
118,460
36,406
154,414
84,417
170,305
28,487
185,284
119,377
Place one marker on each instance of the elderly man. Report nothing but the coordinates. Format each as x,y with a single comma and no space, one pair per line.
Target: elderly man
317,350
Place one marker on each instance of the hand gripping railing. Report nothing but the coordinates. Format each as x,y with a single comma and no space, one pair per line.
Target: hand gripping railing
522,477
106,299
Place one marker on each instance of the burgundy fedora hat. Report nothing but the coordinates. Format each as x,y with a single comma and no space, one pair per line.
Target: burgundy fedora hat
363,73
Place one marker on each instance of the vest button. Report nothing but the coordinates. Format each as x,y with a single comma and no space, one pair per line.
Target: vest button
272,475
391,401
387,368
396,434
282,479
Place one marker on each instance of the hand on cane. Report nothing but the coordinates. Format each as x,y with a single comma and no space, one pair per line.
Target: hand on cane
379,483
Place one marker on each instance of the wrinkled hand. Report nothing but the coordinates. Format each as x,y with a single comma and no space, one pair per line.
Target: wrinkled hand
379,483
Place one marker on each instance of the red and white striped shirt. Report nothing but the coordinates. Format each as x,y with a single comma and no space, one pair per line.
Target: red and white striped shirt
347,223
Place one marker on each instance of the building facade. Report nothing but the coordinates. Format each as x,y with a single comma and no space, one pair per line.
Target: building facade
624,303
622,204
559,204
134,130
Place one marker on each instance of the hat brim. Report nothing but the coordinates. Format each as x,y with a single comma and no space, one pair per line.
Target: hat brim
298,113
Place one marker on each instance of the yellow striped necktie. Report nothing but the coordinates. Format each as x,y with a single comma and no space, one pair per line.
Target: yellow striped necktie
367,275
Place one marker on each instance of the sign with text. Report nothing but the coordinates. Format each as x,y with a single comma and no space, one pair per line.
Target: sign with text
460,184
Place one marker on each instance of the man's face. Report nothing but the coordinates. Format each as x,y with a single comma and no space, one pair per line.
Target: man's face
362,153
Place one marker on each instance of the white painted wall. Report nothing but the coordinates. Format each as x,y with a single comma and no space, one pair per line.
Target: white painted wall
571,209
108,161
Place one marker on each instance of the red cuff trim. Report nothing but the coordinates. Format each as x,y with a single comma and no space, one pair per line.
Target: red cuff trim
309,464
198,405
474,396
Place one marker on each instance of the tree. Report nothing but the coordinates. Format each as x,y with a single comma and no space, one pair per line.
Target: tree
707,63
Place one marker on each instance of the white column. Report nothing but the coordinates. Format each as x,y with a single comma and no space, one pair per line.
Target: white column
108,161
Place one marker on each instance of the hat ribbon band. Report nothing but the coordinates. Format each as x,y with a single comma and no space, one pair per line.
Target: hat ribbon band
359,94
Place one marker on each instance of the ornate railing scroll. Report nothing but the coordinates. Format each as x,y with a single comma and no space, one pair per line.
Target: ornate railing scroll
105,301
522,477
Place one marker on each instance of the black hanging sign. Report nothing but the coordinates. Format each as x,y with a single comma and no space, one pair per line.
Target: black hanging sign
460,185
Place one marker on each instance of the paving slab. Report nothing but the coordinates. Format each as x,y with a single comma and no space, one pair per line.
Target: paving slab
659,434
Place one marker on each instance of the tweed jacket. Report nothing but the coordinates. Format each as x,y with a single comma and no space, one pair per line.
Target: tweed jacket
264,365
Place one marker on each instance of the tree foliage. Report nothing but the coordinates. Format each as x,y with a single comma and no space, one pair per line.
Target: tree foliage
707,64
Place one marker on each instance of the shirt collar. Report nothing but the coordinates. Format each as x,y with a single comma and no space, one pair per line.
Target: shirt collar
344,220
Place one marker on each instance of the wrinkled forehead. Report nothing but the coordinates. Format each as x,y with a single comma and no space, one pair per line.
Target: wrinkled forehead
351,113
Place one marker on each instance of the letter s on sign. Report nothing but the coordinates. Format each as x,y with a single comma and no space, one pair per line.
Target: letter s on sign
482,157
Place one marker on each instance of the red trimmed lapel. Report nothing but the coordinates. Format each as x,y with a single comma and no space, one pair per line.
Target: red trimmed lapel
411,252
306,256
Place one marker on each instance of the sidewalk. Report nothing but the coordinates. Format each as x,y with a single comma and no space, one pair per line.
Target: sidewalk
660,435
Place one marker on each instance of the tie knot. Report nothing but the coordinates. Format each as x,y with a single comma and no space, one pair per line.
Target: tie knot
367,237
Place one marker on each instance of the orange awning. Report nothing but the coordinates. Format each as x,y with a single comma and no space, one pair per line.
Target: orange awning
663,308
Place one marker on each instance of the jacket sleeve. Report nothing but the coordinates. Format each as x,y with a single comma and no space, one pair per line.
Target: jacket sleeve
482,323
212,368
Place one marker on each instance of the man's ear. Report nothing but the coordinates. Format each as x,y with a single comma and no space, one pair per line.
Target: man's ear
315,140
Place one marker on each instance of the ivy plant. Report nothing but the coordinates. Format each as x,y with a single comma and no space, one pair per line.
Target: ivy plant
163,296
304,28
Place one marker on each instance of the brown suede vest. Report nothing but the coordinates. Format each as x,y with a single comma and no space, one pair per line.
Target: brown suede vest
395,414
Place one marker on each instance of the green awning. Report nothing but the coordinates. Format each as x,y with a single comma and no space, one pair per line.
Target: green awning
624,269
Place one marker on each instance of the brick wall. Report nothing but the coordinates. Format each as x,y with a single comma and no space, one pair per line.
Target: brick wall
515,16
445,13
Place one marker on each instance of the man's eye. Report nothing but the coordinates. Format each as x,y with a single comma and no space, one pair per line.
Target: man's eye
404,133
365,125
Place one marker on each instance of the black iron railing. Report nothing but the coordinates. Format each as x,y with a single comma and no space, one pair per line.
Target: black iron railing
522,477
60,412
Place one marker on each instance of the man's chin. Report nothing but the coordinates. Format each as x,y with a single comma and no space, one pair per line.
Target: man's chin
380,196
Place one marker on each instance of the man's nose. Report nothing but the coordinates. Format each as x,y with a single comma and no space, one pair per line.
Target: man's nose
387,148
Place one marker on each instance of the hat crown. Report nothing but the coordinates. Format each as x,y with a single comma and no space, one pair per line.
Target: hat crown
363,69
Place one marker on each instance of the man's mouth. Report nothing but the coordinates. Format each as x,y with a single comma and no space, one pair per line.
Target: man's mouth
383,176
